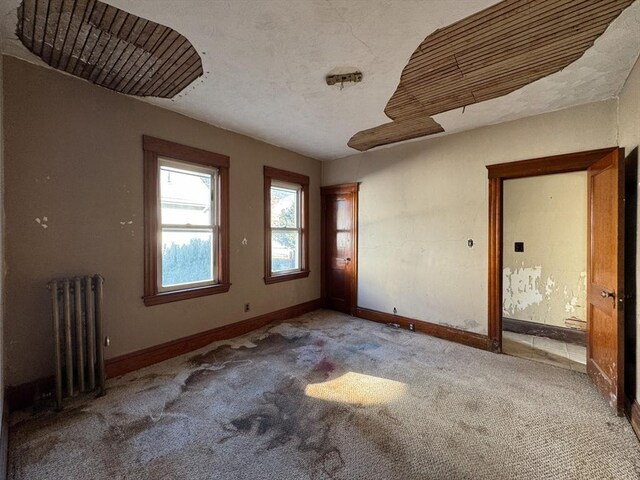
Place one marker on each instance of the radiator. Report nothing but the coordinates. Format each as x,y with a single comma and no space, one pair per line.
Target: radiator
76,305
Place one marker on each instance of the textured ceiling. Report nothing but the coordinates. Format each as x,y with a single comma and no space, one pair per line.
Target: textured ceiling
265,61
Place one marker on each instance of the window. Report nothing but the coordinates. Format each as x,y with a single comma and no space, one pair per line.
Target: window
286,197
186,222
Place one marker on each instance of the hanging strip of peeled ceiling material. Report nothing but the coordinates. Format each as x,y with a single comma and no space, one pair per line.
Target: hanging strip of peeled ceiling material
108,46
487,55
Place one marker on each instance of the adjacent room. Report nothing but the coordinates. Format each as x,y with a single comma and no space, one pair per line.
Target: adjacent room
545,269
319,239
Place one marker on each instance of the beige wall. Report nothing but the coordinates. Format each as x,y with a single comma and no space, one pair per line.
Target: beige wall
421,201
74,155
629,128
547,283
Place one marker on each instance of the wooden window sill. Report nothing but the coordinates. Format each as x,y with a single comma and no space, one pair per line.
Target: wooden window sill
286,277
186,294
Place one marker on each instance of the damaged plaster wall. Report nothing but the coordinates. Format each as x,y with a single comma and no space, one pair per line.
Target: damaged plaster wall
547,283
629,131
421,202
75,163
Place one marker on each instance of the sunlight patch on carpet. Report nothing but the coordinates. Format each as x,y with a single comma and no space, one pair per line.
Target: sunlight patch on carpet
357,388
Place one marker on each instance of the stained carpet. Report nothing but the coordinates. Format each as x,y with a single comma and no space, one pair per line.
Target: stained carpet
328,396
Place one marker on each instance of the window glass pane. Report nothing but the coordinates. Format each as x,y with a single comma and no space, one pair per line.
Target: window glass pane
185,197
284,207
284,251
187,256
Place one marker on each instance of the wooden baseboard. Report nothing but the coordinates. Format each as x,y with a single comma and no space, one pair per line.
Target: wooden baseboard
30,393
25,395
470,339
634,418
143,358
4,443
563,334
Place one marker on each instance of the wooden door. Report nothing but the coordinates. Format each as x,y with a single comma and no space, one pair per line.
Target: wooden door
339,247
605,289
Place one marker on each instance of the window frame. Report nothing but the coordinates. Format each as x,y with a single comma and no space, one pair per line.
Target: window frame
275,175
156,149
212,226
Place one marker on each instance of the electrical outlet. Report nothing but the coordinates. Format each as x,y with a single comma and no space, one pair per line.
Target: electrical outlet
247,307
412,327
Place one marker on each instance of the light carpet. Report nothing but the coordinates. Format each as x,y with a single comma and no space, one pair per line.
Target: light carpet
328,396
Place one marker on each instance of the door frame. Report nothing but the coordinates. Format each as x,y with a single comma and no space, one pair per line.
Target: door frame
572,162
352,188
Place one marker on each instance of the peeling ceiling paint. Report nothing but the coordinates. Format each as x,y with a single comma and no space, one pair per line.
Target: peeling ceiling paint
265,64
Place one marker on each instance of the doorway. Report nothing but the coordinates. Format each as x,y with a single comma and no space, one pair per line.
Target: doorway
605,258
339,244
544,285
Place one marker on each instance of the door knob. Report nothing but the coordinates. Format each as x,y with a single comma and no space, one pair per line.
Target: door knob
347,259
606,294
